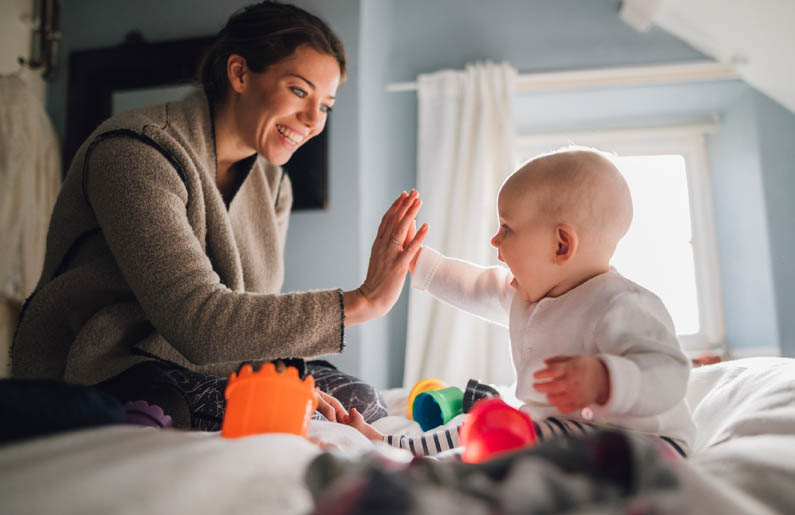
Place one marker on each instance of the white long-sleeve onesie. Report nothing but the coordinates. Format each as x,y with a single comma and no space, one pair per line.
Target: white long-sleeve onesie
608,316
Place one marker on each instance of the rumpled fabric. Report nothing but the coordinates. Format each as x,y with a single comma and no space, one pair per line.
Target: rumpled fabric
605,472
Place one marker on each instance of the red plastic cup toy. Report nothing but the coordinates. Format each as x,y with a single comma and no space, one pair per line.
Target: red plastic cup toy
493,428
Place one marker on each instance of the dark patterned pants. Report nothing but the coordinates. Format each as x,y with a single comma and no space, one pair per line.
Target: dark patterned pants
196,401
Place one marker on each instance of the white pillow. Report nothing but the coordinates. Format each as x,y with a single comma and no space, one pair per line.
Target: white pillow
744,397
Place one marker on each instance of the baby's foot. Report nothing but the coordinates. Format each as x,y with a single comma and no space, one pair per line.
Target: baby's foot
358,423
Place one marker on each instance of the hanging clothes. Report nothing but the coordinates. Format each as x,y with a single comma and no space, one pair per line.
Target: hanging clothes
30,178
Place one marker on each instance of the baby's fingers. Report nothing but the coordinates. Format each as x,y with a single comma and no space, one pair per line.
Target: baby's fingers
551,372
557,359
416,244
551,387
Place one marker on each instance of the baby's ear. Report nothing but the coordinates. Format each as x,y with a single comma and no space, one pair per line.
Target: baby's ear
567,243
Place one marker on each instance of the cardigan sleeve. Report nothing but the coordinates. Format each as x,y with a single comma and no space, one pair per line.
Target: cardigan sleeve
139,200
485,292
637,343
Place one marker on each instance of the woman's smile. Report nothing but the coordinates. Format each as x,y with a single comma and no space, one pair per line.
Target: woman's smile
291,138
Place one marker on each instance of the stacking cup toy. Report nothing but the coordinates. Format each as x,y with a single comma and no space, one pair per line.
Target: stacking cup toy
493,428
423,385
267,401
436,407
475,391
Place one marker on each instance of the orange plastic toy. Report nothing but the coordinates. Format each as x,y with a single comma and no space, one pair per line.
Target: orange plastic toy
423,385
492,428
267,401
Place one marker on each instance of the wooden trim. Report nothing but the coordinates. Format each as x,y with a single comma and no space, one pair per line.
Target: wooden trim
611,77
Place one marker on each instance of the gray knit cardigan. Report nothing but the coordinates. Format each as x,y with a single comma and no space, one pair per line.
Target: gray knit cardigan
145,260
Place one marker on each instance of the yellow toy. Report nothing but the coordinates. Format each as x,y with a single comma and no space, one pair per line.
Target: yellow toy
424,385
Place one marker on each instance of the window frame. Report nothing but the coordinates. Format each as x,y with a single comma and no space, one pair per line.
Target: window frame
690,143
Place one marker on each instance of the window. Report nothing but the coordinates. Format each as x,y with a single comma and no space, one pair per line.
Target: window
670,248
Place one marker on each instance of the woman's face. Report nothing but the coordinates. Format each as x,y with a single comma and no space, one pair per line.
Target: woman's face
281,108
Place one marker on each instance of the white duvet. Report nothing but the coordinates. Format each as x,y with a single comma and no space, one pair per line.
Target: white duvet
743,460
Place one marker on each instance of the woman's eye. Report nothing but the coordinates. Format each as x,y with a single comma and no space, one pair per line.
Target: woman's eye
300,93
325,108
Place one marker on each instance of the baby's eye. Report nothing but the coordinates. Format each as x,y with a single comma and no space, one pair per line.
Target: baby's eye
300,93
505,228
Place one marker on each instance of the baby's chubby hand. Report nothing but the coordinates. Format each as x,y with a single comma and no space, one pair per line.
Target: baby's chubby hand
573,382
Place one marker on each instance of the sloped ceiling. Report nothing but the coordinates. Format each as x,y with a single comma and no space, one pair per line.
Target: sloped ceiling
755,37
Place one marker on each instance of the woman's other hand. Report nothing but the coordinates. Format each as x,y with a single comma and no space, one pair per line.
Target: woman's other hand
331,408
390,257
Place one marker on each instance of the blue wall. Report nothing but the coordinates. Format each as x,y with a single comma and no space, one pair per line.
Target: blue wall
742,229
776,130
374,147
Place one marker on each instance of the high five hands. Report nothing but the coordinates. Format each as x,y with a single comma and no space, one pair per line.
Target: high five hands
390,256
573,382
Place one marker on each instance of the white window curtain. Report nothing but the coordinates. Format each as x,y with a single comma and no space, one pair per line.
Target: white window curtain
466,149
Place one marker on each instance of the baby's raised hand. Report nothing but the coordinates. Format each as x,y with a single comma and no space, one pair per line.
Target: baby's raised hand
573,382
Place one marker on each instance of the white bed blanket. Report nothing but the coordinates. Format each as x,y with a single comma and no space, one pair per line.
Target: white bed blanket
744,459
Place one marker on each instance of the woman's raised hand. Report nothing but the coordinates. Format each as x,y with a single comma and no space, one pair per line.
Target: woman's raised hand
390,257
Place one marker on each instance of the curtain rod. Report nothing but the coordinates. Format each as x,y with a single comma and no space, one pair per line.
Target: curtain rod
620,76
706,126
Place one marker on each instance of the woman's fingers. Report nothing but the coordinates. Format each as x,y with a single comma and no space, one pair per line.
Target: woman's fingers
398,214
338,413
325,408
406,220
382,227
412,231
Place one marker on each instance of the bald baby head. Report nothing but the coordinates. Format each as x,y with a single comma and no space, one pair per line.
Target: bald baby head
576,186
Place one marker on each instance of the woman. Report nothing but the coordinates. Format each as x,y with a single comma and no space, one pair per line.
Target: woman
164,257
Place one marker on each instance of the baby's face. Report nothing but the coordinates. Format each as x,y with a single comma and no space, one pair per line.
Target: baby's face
525,242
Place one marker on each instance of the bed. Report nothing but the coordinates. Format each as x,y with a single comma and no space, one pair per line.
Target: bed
743,459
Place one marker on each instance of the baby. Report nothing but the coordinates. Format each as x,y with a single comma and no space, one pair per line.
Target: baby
586,342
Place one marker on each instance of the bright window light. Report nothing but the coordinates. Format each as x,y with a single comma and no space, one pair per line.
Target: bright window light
657,252
671,247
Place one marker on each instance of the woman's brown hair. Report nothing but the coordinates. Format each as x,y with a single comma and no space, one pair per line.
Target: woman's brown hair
263,34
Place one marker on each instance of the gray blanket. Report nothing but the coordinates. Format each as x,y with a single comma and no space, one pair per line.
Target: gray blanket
604,472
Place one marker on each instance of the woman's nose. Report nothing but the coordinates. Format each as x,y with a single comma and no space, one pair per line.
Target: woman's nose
311,118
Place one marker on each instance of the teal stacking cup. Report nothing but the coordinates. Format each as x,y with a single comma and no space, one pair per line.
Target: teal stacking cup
437,407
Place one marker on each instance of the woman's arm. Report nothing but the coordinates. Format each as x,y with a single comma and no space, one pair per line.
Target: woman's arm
142,206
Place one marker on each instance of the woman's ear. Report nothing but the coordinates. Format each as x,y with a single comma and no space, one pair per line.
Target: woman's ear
237,72
567,243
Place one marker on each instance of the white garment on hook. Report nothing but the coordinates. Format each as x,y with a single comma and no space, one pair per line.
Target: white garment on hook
30,178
